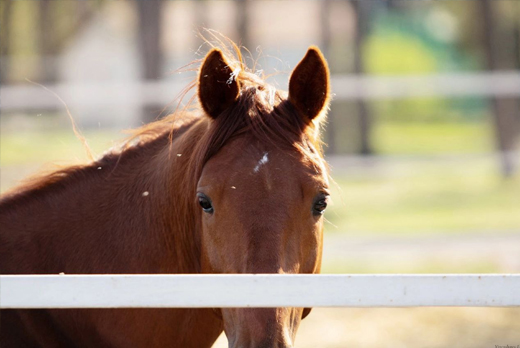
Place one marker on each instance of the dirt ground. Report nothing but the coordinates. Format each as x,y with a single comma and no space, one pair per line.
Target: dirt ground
407,328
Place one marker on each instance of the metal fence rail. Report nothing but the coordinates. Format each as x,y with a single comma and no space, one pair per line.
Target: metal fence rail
265,290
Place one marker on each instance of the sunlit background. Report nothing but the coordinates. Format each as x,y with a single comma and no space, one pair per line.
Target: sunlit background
423,134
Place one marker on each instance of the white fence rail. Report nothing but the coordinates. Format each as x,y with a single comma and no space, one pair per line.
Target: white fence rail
345,87
265,290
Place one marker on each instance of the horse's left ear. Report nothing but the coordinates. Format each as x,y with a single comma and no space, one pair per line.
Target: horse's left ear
218,86
309,86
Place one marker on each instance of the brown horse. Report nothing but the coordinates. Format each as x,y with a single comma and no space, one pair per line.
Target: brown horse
239,187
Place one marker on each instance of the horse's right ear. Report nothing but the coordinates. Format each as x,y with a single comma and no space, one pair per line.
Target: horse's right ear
218,86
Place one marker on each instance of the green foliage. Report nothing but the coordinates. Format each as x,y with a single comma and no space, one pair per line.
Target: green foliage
401,43
397,53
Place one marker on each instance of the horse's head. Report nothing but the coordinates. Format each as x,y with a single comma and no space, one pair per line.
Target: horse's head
263,185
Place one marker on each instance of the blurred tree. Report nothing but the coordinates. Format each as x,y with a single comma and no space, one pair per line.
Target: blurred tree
498,42
242,20
40,29
5,25
325,47
46,41
201,14
150,25
362,9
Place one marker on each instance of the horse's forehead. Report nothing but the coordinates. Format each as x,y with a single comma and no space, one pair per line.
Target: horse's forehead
250,161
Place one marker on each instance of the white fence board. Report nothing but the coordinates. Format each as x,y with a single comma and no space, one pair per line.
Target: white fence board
266,290
345,87
487,84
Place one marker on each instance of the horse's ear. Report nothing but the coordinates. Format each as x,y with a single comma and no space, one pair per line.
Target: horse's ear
306,312
218,87
309,86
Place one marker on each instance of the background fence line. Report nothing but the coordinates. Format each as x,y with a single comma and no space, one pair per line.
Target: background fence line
345,87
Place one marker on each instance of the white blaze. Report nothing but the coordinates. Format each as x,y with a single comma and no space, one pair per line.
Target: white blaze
262,161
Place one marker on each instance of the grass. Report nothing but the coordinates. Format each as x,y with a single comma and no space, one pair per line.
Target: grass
419,138
422,196
58,145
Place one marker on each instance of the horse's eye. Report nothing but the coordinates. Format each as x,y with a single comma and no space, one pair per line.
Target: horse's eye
205,203
320,204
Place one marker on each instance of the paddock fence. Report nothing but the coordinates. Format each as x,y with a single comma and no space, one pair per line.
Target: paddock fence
259,290
346,87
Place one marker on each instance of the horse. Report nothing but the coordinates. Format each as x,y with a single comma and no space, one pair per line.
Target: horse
235,184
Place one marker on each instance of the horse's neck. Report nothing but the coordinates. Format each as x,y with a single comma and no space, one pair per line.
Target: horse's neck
115,216
118,215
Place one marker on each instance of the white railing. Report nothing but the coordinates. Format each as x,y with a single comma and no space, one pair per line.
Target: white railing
265,290
345,87
482,84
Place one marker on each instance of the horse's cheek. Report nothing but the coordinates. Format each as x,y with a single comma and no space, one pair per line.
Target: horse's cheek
216,250
209,257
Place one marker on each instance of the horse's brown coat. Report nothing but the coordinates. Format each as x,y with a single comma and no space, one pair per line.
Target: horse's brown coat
137,211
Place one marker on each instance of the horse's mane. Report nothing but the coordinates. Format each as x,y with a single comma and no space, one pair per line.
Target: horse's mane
261,110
